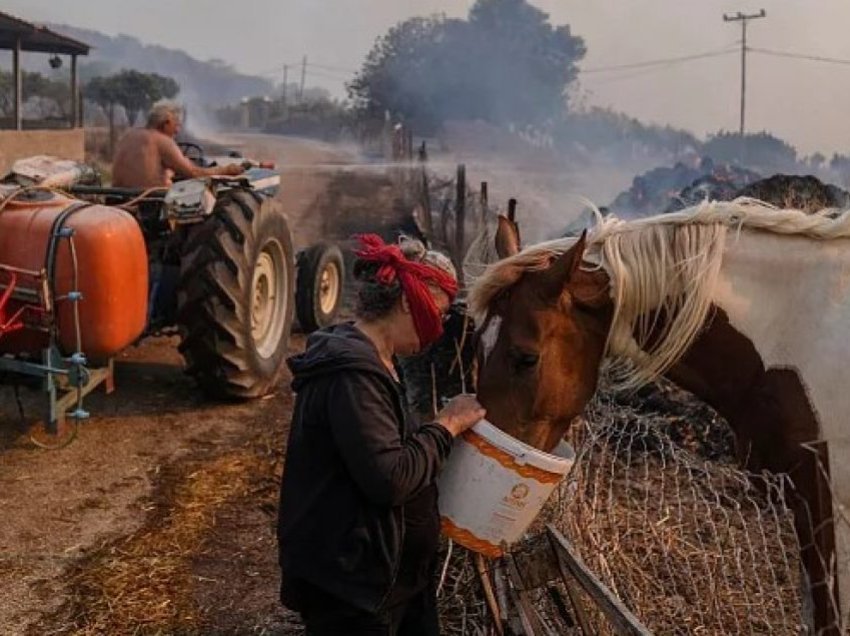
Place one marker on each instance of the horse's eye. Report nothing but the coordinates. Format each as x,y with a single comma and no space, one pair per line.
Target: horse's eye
524,360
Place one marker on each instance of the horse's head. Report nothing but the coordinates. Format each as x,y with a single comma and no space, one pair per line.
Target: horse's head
541,345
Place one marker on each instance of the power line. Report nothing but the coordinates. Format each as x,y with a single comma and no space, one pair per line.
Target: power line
660,63
334,74
333,68
668,61
275,71
602,81
328,76
800,56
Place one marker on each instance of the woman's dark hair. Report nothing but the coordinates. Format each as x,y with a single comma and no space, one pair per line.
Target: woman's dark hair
376,300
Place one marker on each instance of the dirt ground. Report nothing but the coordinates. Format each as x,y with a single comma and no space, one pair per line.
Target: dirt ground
159,518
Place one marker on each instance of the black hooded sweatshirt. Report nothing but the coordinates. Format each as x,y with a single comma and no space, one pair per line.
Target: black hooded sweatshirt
356,466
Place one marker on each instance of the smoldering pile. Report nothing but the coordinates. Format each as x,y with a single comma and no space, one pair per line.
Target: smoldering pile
796,192
664,190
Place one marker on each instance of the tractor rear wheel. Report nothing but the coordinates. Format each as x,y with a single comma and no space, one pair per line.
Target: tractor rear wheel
234,297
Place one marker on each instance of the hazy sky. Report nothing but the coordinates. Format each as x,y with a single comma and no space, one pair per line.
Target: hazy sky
802,101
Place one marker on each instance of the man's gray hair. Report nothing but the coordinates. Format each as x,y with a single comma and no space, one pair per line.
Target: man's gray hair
415,250
161,111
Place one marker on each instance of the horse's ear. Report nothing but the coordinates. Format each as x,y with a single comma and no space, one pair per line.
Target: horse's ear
507,237
587,288
563,268
590,289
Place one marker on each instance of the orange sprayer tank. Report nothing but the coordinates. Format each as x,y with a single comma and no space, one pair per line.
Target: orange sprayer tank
112,268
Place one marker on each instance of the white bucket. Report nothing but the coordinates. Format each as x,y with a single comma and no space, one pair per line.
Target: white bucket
493,486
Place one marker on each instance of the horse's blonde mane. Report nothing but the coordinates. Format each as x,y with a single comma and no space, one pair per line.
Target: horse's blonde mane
668,263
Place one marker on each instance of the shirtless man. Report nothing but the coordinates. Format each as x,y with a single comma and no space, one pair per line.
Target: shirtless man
149,157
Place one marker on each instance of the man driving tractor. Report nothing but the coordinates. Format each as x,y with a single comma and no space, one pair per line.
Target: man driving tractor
149,157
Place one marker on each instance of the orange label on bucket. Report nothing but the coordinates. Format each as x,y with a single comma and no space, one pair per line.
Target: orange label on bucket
468,540
523,470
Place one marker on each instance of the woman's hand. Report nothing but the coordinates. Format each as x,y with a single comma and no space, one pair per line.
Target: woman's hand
460,414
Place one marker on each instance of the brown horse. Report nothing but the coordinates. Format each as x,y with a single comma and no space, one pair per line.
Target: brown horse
747,320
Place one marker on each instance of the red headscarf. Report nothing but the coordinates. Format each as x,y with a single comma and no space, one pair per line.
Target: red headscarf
413,278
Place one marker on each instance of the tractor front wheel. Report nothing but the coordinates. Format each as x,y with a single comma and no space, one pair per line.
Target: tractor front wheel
318,293
235,295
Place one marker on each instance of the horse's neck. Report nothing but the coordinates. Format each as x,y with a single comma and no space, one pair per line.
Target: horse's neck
790,298
789,295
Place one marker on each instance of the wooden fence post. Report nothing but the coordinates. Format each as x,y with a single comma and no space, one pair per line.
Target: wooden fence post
425,194
460,220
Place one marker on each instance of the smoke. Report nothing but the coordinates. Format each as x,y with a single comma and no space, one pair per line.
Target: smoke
553,178
551,187
510,74
199,121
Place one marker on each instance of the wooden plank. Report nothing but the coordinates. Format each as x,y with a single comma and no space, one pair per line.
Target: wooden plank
489,594
621,618
537,569
19,85
501,586
75,94
531,620
578,606
535,563
426,202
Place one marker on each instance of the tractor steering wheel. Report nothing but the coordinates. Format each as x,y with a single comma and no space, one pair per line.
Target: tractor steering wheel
192,151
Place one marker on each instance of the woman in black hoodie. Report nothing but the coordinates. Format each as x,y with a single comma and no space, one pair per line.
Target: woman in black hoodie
358,525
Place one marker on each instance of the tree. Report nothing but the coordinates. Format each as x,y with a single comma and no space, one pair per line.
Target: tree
617,135
817,161
537,60
505,64
761,150
103,91
137,92
50,97
133,91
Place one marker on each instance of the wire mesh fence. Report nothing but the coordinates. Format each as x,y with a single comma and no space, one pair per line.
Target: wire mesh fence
691,545
658,511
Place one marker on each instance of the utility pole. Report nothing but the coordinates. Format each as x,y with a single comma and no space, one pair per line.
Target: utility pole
285,81
303,77
743,19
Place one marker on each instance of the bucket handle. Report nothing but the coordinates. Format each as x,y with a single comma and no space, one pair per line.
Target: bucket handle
518,458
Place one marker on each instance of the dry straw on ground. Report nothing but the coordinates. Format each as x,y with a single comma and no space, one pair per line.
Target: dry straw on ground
143,582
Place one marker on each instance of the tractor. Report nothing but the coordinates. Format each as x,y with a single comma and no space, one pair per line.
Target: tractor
219,272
